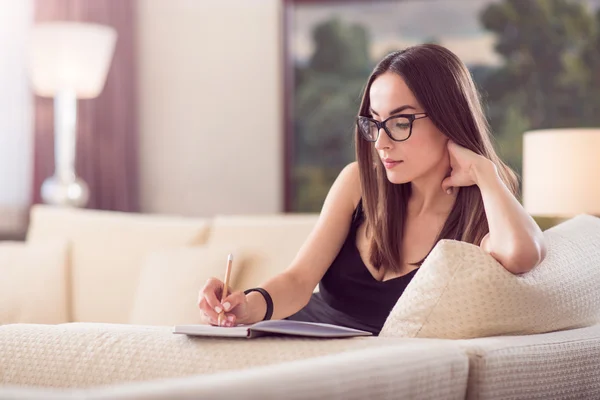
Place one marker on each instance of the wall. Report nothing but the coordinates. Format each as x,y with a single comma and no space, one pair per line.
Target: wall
16,107
210,104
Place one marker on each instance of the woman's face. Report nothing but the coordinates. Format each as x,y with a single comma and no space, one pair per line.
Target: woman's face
425,150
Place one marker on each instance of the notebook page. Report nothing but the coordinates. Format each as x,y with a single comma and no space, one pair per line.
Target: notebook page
308,329
210,330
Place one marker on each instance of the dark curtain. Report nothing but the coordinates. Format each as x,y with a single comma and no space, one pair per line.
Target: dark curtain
106,153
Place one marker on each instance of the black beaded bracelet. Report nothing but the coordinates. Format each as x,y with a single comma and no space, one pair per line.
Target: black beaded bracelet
268,300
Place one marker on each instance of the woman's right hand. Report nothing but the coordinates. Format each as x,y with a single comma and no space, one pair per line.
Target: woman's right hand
235,304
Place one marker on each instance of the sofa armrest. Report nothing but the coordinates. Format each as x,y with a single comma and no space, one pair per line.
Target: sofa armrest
553,365
82,356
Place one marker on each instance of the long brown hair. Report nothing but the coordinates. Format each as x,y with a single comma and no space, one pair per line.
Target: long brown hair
443,86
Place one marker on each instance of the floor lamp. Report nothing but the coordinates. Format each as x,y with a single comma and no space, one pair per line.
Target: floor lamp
68,61
561,172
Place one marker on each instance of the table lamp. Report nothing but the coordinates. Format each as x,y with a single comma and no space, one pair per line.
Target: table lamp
68,61
561,172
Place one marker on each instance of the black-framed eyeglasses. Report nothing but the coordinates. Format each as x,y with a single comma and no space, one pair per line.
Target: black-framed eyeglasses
399,131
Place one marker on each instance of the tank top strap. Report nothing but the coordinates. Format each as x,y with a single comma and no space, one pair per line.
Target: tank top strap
357,216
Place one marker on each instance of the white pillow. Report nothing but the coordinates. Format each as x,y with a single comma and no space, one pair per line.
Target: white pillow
462,292
167,292
108,249
274,241
33,282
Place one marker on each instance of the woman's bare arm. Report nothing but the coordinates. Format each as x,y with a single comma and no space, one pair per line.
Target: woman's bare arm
291,290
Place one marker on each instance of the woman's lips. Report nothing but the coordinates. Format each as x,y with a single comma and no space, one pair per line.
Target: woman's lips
389,164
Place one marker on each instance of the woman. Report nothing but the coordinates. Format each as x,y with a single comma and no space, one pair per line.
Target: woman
426,171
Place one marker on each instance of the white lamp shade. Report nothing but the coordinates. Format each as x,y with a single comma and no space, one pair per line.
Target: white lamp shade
561,172
70,56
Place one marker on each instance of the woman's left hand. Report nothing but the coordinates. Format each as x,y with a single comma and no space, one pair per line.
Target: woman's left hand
464,164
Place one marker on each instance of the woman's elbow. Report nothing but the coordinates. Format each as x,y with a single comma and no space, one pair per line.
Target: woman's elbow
526,257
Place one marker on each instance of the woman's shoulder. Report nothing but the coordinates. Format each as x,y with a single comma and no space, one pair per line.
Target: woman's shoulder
350,178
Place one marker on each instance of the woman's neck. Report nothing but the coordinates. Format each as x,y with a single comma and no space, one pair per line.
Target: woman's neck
428,197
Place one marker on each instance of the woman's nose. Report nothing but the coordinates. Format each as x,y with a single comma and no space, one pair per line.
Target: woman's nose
383,141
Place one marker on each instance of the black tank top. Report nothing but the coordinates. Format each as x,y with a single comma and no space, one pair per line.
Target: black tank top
348,294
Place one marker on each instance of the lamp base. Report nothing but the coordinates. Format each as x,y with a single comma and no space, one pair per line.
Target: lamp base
67,193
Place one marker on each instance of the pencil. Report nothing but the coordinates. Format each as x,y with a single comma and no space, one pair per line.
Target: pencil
225,286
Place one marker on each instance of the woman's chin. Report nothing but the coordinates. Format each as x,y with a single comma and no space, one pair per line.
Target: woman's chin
396,178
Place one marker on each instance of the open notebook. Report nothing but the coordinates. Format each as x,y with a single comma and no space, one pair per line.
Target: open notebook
272,327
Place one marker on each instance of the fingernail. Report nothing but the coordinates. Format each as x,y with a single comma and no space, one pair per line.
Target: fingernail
218,309
226,306
230,318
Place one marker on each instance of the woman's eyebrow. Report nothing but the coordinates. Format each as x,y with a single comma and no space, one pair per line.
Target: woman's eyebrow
396,110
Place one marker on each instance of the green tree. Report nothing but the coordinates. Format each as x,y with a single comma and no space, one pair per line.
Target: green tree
550,74
340,49
590,83
326,101
541,42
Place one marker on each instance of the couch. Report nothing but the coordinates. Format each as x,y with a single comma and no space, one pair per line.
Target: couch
91,298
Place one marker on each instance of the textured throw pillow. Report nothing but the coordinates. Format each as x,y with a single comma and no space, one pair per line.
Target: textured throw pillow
461,292
169,282
33,282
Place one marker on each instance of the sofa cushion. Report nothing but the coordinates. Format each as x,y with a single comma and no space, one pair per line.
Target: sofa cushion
461,291
421,371
108,250
33,282
416,372
546,366
84,355
170,279
274,241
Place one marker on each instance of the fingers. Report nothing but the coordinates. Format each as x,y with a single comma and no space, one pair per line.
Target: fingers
231,319
208,316
208,313
208,302
211,307
233,300
211,289
450,146
447,185
229,304
227,320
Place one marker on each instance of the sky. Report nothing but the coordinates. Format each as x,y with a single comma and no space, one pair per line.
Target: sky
398,24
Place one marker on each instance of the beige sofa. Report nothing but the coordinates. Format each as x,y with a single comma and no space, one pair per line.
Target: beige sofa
103,289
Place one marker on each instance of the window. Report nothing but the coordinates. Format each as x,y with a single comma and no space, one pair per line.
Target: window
536,63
